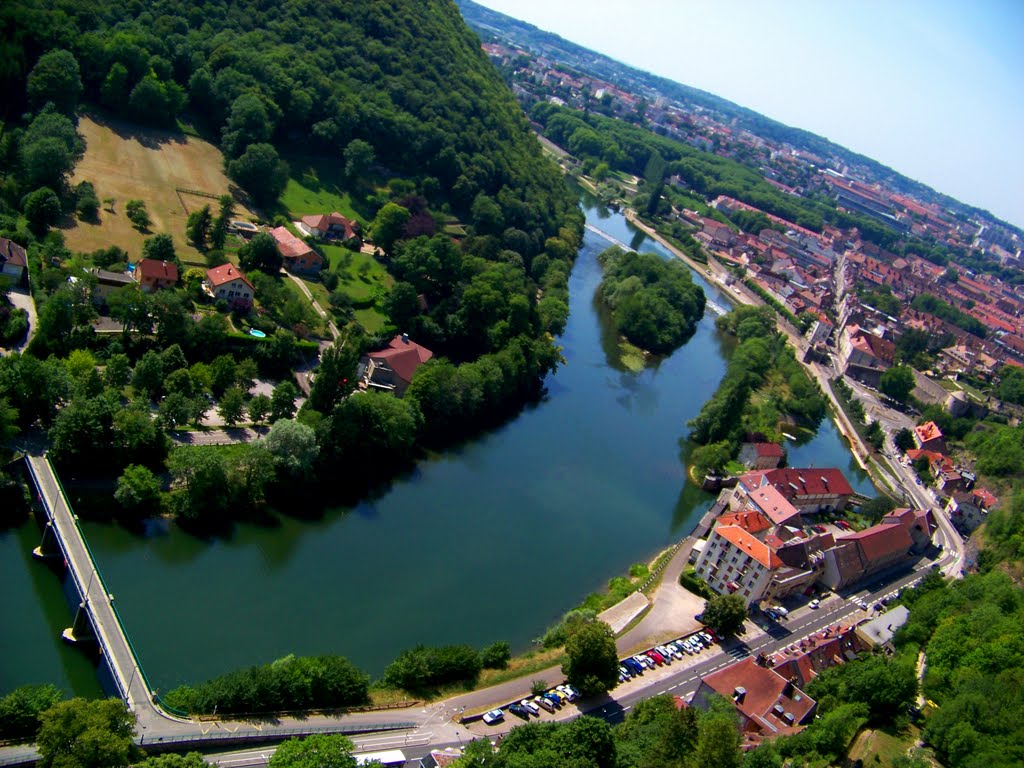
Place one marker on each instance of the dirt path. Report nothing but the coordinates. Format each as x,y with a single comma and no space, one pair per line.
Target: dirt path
335,333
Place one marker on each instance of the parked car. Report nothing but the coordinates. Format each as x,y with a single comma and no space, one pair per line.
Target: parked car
625,672
531,705
770,613
843,524
708,638
545,703
665,651
569,691
519,711
674,650
645,661
634,666
656,657
557,701
562,696
494,716
814,603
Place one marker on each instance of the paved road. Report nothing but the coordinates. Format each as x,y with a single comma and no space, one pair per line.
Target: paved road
219,436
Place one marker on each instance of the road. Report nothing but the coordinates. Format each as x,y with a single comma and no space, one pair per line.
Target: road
22,299
439,729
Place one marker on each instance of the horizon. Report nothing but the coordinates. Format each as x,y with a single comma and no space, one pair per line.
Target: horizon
931,94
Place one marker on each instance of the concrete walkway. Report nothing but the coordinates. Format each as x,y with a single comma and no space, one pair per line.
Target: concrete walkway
22,299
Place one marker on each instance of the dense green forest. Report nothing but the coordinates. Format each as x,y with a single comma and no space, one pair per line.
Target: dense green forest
655,303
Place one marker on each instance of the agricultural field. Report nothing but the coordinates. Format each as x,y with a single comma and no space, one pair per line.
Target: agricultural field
125,161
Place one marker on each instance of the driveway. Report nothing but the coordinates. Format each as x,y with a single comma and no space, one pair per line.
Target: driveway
22,299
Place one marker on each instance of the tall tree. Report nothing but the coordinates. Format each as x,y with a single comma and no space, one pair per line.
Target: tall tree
197,229
261,172
725,614
388,225
592,663
260,253
84,733
319,751
55,78
898,382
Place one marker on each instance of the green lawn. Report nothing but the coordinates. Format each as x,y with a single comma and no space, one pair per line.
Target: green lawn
360,276
372,320
316,185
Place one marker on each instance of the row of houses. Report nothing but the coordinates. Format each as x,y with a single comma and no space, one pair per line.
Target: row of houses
768,692
765,546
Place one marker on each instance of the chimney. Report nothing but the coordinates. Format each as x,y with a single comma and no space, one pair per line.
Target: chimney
738,694
405,338
787,691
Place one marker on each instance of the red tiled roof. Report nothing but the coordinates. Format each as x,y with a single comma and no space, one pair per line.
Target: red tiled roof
882,541
928,431
155,269
225,273
749,520
745,542
12,253
403,356
323,221
794,481
764,689
288,244
769,450
776,506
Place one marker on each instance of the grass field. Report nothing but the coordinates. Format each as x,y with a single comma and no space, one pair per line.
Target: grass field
360,276
126,162
314,186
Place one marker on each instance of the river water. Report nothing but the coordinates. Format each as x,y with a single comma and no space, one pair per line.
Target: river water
492,541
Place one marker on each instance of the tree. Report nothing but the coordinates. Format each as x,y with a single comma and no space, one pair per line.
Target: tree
259,407
725,614
359,156
898,382
718,739
198,227
903,439
261,253
138,490
55,78
202,477
87,204
21,708
282,401
336,376
191,760
160,247
84,733
318,751
156,101
175,410
114,91
262,173
1011,384
592,663
42,210
388,225
148,376
232,406
219,232
496,655
45,162
136,212
248,123
294,448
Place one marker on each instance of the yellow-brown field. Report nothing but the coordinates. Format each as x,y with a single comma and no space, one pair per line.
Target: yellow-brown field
126,162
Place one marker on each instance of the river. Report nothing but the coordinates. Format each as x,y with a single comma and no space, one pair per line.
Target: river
492,541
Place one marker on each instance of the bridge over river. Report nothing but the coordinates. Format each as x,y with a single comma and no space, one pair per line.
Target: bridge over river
97,621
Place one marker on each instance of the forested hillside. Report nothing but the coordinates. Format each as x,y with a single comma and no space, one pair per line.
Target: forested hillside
408,77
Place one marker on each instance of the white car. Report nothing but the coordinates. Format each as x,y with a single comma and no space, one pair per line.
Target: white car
814,603
494,716
530,705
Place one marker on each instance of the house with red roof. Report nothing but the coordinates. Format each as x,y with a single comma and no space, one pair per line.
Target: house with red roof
761,455
809,489
802,662
768,704
154,274
13,262
329,226
228,283
868,552
391,369
865,356
299,257
928,437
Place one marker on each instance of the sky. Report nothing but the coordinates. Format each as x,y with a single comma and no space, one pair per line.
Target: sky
931,88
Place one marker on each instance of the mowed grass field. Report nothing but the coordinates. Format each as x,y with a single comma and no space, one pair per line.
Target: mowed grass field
129,162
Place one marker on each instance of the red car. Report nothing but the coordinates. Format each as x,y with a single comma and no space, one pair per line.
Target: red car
656,657
843,524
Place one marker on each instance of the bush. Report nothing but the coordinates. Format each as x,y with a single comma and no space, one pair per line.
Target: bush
87,203
426,667
20,710
290,683
496,655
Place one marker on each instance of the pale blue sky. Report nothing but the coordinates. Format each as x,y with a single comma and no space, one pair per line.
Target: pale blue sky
931,88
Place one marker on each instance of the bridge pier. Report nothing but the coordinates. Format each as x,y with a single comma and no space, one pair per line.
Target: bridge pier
81,630
49,546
